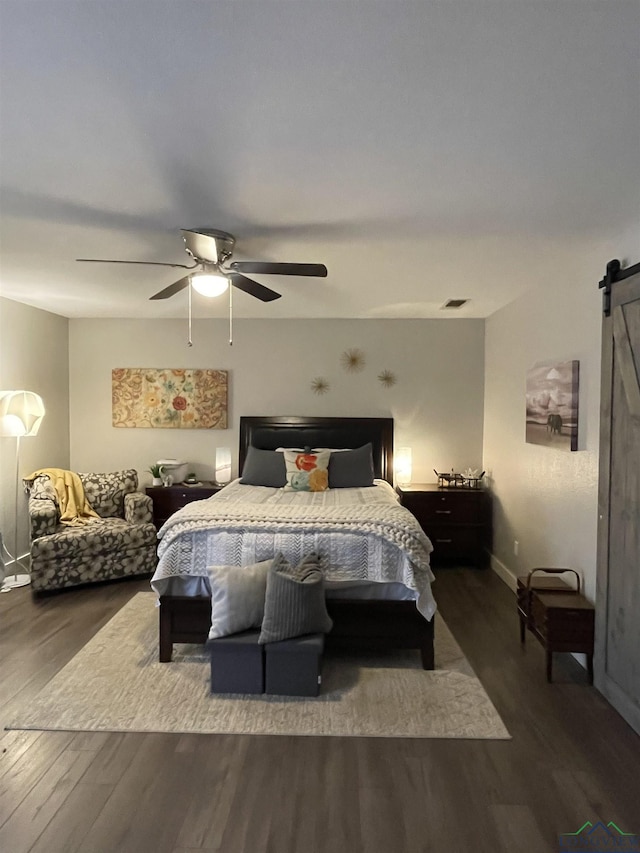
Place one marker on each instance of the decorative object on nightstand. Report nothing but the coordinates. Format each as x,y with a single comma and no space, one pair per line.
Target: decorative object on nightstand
456,520
469,479
403,466
558,616
154,470
21,413
172,471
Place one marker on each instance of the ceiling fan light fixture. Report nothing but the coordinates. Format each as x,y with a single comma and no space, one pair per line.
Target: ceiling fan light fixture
209,284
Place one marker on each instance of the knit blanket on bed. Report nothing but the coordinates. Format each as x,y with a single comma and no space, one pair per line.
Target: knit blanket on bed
238,518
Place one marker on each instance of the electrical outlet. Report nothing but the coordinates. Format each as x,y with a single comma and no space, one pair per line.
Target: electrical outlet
516,545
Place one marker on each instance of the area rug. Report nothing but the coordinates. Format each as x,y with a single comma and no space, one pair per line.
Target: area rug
115,683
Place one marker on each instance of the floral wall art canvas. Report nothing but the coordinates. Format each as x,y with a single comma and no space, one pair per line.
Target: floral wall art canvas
169,398
552,405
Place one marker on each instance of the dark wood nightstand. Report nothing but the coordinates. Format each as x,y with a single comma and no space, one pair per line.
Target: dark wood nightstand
169,499
457,521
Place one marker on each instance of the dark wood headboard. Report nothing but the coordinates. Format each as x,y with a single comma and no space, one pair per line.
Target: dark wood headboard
270,432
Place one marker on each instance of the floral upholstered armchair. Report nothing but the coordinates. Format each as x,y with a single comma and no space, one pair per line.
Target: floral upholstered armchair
120,541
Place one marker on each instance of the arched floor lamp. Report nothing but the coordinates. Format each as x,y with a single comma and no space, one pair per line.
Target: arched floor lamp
21,413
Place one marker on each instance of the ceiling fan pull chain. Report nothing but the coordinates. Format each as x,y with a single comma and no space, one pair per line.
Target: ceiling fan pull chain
189,342
230,316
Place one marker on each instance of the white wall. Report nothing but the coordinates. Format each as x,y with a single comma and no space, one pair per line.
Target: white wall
547,499
34,355
436,403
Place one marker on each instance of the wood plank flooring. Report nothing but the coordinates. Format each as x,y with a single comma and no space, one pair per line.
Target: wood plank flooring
572,757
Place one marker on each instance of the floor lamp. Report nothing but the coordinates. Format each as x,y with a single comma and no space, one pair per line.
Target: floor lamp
21,414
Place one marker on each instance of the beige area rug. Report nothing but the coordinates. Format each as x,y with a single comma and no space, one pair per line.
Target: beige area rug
115,683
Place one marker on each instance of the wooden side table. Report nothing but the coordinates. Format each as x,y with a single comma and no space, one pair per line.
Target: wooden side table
543,580
563,623
169,499
559,617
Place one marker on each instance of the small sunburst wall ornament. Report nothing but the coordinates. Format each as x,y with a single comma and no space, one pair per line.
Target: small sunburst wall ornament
352,360
387,378
319,385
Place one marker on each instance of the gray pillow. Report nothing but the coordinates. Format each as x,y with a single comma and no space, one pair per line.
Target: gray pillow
351,469
237,597
294,604
264,468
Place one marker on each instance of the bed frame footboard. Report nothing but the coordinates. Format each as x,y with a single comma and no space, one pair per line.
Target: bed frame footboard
365,624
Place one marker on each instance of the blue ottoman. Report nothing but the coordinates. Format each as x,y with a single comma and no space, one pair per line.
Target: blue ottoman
237,663
292,667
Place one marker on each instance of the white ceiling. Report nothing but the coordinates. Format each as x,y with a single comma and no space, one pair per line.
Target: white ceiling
421,150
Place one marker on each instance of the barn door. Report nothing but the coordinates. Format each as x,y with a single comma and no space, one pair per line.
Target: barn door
617,661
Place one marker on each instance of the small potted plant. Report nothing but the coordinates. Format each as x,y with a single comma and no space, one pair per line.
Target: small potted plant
154,470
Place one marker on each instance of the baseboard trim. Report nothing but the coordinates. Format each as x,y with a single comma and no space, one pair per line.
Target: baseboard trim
504,573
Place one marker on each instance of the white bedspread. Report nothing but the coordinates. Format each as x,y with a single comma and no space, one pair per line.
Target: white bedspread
359,534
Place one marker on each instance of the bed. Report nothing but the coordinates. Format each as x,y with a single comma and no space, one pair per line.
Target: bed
386,604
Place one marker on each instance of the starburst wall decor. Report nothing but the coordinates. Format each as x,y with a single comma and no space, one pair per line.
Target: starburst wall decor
387,378
319,385
352,360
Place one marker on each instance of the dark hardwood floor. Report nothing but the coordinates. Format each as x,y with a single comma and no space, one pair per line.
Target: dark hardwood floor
572,757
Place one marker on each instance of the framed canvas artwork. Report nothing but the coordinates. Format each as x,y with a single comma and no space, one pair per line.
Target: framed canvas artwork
169,398
552,404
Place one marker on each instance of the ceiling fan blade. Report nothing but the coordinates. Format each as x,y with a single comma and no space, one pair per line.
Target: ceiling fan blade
318,270
201,245
253,288
145,263
174,288
208,244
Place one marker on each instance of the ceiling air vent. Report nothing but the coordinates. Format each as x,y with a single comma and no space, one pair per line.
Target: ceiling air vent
455,303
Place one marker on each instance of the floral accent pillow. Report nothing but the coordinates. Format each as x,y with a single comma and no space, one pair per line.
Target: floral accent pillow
307,472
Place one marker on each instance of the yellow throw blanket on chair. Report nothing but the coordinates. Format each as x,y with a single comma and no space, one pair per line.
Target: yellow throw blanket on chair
74,507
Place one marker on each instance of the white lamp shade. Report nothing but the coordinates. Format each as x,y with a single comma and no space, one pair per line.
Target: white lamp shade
21,413
209,284
223,465
403,466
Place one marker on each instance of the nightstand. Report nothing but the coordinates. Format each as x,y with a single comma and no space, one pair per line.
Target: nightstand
457,521
169,499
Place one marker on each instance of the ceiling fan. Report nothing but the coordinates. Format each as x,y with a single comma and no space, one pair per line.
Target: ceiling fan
211,250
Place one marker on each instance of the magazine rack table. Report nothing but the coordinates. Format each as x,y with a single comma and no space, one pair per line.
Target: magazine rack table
558,616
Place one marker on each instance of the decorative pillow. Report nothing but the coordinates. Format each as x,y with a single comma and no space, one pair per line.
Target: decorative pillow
264,468
295,603
237,597
307,472
351,469
105,492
